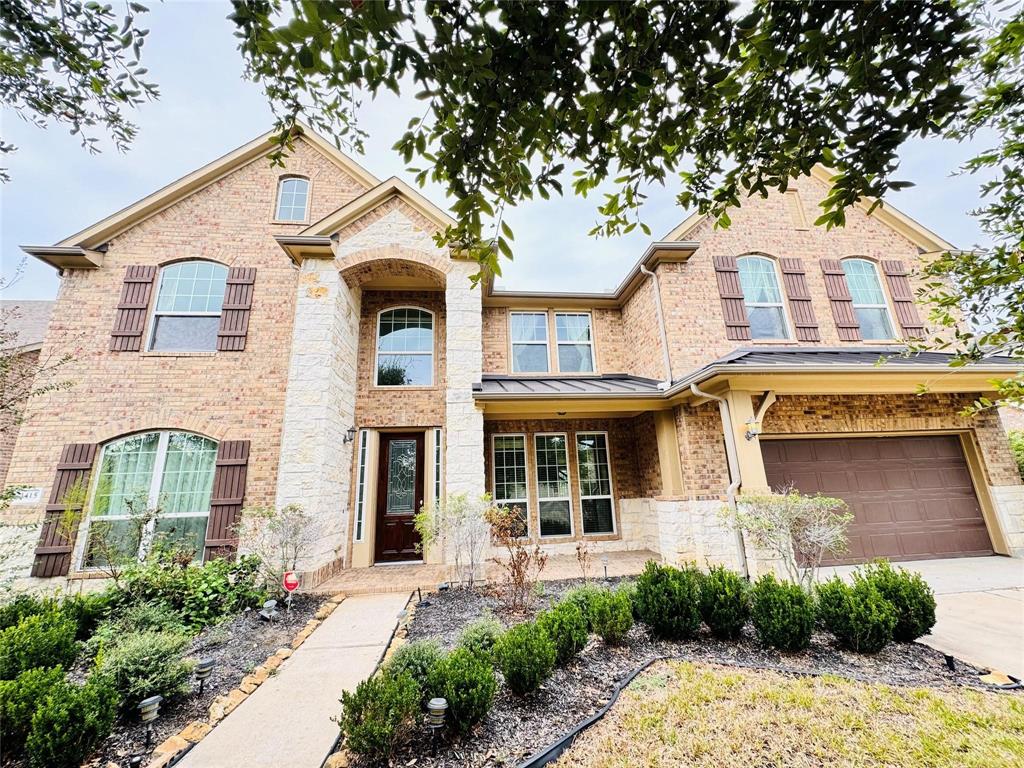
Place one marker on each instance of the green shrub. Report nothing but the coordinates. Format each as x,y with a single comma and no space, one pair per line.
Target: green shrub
1017,446
860,618
143,617
87,611
567,628
417,660
19,700
612,616
782,613
468,683
147,664
525,656
480,636
667,600
22,607
41,640
581,597
724,602
70,723
375,714
910,595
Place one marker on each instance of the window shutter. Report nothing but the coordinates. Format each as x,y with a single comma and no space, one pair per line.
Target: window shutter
737,325
53,553
897,277
234,318
793,276
842,302
226,500
130,320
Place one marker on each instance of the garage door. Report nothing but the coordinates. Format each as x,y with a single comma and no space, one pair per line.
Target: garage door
911,497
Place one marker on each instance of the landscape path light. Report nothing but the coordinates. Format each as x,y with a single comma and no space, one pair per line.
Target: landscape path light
203,671
149,711
436,711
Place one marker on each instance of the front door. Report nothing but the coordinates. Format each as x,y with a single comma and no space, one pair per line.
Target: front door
399,496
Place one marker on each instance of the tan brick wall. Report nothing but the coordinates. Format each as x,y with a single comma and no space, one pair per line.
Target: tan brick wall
643,355
648,464
495,340
1012,418
226,395
399,406
702,457
609,339
9,420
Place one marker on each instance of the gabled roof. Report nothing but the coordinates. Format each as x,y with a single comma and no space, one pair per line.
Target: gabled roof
78,249
381,193
892,217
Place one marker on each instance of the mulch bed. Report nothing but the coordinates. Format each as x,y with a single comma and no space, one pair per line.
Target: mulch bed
237,646
517,727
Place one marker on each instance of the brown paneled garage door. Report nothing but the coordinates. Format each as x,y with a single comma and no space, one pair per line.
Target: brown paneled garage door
911,497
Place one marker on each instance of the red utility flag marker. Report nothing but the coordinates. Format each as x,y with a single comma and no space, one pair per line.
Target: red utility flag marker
290,581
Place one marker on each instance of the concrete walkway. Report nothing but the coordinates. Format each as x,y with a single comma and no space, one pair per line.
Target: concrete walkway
979,609
286,722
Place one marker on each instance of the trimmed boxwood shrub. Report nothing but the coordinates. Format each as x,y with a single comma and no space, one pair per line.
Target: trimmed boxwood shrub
910,595
479,637
24,606
85,611
581,597
567,628
525,656
860,618
376,713
19,700
147,664
782,614
143,617
41,640
724,602
417,660
70,723
612,615
468,683
667,600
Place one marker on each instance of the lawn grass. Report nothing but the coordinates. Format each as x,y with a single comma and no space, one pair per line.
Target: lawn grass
681,714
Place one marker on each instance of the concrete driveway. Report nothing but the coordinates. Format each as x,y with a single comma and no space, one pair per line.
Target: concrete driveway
980,609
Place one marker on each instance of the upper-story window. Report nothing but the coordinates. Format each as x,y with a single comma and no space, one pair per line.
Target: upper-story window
188,307
151,487
405,348
762,297
529,342
292,199
869,302
575,344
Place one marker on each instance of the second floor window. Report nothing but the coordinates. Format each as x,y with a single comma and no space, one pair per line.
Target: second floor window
762,298
405,348
188,307
575,344
869,302
292,199
529,342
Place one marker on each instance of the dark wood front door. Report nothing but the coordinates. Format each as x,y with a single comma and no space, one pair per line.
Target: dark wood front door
399,496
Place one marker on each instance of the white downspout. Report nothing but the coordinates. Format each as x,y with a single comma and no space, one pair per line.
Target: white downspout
734,470
661,325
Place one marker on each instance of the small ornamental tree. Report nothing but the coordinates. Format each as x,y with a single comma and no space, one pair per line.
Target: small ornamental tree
458,526
279,537
799,530
523,564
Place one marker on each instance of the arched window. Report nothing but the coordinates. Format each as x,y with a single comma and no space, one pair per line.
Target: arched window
869,302
405,348
188,307
762,298
150,488
292,199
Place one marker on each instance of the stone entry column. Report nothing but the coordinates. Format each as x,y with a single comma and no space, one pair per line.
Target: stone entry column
464,422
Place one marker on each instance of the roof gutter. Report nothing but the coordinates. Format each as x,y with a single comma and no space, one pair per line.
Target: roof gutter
667,383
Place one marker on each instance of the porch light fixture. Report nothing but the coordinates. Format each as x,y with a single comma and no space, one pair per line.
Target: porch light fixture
436,711
203,671
753,429
149,711
350,435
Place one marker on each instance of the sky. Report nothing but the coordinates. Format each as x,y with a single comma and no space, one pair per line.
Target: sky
206,109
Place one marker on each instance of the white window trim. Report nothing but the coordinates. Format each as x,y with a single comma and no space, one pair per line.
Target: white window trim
438,467
432,353
780,304
513,342
152,498
362,458
157,312
885,297
568,485
611,483
277,199
510,503
590,343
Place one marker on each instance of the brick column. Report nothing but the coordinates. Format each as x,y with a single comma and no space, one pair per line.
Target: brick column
464,422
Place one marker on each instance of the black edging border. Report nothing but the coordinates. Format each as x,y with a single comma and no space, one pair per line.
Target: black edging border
553,751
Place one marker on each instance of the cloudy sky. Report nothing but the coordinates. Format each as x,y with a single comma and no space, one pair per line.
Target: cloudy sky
206,109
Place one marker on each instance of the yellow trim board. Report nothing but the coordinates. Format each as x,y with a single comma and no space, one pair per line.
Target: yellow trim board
374,198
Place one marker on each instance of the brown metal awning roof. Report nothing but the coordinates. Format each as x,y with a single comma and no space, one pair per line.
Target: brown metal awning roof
607,385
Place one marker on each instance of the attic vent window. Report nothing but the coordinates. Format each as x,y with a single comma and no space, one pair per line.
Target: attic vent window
292,199
795,206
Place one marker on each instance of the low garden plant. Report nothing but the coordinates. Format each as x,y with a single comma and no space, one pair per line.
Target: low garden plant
481,636
724,602
567,628
38,640
582,597
146,664
417,660
19,700
143,617
859,616
468,683
525,655
782,613
376,714
910,595
70,722
612,616
667,599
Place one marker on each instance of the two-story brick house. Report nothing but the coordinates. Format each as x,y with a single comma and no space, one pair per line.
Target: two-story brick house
262,336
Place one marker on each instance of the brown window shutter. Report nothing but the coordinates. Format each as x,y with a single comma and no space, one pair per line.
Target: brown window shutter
234,318
842,302
53,553
130,320
226,500
897,277
793,277
737,325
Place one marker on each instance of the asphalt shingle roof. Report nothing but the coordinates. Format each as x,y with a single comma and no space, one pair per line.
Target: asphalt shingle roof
27,319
